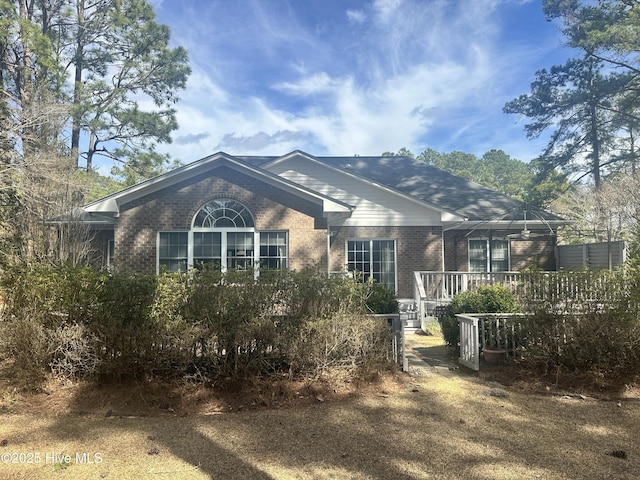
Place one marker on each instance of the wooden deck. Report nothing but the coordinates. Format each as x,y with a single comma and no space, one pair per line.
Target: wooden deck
436,289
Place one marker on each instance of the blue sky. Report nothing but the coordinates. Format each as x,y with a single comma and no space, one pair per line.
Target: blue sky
345,77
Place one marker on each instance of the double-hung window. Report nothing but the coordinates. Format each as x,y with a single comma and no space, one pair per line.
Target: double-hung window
273,250
173,251
207,248
373,259
488,256
223,234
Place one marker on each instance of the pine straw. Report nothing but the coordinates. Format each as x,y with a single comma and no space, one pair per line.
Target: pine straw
439,425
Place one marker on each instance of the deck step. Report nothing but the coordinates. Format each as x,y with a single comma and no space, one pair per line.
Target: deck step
413,322
412,325
411,330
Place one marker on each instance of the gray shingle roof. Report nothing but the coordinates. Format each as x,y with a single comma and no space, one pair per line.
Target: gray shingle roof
442,189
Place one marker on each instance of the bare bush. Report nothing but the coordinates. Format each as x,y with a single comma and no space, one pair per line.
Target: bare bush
74,351
593,327
122,327
24,343
356,343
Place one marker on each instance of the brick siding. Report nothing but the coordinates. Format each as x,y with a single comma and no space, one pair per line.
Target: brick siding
174,208
417,248
536,253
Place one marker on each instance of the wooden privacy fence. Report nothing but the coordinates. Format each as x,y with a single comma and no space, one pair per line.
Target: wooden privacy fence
592,255
495,331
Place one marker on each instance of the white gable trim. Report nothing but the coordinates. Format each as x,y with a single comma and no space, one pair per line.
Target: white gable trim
446,216
111,204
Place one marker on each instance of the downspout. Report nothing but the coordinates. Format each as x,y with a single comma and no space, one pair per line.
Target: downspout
609,251
489,250
328,247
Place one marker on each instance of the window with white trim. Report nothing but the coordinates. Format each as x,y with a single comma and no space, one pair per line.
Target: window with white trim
223,213
273,250
240,251
373,259
481,261
173,251
111,250
224,235
207,248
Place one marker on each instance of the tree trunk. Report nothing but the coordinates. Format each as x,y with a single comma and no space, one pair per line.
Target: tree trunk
632,152
78,63
90,151
595,142
24,69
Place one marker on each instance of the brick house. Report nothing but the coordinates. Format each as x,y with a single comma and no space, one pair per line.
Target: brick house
384,216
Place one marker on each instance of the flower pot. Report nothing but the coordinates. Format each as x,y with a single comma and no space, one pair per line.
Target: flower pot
493,357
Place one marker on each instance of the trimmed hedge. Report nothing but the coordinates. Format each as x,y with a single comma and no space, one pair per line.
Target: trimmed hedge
205,325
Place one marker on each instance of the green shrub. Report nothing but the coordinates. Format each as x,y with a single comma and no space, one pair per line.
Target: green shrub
381,299
25,343
124,327
486,299
40,302
593,341
175,336
84,323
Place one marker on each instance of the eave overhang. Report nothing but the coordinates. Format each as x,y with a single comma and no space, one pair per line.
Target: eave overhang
80,215
548,225
111,205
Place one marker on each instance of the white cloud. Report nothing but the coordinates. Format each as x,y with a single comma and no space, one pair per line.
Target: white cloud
307,85
356,16
191,138
385,9
392,74
281,141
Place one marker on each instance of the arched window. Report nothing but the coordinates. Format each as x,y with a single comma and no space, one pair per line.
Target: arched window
223,213
223,234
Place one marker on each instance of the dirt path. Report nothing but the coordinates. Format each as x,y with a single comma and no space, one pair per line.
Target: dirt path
428,354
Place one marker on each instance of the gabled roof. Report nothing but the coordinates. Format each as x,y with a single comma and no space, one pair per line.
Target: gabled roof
454,195
451,193
447,215
111,204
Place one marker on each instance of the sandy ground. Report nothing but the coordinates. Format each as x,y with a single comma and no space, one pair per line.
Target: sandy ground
440,424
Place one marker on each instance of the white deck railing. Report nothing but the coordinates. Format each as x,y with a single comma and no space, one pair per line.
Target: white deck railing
469,342
560,293
432,289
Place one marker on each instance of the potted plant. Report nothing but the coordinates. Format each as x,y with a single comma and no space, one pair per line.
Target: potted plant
493,350
493,355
